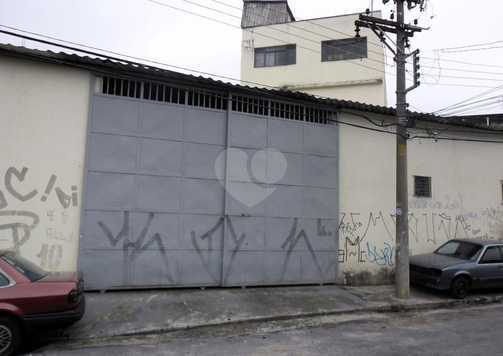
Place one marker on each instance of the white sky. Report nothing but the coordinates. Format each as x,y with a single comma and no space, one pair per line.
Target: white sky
141,28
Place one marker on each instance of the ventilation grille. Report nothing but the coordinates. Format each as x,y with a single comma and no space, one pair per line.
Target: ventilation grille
280,109
213,100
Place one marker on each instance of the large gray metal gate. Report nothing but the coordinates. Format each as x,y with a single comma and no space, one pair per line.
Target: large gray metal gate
156,212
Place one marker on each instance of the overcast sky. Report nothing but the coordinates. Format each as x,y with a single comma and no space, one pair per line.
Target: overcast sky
144,29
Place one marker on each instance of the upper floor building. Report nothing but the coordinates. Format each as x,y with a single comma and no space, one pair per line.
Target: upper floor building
318,56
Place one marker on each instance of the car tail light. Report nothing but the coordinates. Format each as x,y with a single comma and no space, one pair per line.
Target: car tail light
73,297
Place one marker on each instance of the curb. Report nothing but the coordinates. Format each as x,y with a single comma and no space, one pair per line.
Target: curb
391,308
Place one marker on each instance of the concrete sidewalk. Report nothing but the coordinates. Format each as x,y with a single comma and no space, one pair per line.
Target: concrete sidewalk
115,314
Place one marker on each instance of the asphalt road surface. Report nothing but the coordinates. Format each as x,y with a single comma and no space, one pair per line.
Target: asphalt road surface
473,331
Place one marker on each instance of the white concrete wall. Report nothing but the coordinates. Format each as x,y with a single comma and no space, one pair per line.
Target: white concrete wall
310,74
367,201
466,197
43,118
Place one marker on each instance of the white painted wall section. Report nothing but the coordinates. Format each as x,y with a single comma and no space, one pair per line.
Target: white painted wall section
44,112
466,200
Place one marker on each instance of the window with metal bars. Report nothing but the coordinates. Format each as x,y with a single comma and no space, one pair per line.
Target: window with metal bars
344,49
275,56
422,187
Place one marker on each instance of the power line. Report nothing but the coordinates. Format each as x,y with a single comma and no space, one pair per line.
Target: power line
487,92
459,85
337,31
228,5
377,44
201,6
381,129
486,106
461,70
261,34
435,138
114,53
467,46
323,35
472,50
216,75
286,32
463,62
475,102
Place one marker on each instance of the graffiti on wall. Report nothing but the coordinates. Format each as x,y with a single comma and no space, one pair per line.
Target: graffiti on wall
295,236
369,238
208,248
134,246
358,238
18,224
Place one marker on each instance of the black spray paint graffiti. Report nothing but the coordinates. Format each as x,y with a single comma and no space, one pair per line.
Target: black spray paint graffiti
20,224
14,182
436,228
295,236
208,236
3,201
291,242
20,175
134,249
354,231
357,231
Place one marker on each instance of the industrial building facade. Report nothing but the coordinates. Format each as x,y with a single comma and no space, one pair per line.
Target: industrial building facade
143,177
318,56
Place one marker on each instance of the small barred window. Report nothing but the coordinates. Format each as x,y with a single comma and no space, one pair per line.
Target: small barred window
422,186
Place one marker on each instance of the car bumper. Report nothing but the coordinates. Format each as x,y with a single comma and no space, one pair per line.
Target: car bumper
429,281
56,320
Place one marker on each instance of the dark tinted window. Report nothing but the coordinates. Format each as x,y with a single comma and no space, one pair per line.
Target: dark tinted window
459,249
4,282
492,255
348,48
422,186
22,265
275,56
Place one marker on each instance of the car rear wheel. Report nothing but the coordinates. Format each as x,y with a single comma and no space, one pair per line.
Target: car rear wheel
10,336
460,287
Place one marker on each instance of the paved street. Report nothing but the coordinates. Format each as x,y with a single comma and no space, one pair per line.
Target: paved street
443,332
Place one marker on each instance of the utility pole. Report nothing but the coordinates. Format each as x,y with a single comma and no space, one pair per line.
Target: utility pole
403,32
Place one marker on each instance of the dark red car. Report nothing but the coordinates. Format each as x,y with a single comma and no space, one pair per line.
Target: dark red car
31,298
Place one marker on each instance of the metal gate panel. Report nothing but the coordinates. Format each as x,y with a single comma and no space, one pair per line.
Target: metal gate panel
153,204
290,237
156,213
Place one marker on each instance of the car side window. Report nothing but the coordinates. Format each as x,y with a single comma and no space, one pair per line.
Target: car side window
492,255
4,281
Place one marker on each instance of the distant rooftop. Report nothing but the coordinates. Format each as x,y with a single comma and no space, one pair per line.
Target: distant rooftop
265,12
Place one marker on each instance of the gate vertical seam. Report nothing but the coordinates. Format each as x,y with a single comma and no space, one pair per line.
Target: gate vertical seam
93,80
226,182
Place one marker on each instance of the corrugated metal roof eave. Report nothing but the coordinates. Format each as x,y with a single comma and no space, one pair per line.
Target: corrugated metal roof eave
156,73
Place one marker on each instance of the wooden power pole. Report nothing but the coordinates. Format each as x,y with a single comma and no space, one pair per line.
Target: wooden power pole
403,32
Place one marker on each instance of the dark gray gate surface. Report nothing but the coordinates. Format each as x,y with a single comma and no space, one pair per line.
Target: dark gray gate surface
155,206
291,236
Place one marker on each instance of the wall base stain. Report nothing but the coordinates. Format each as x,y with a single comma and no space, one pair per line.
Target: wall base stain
383,276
